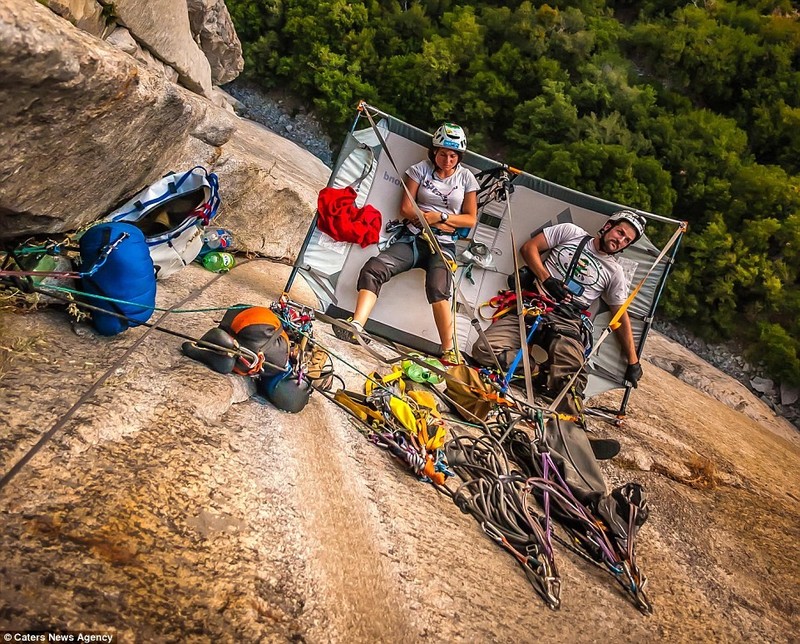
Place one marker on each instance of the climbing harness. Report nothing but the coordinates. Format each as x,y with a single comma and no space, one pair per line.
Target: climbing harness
427,232
615,320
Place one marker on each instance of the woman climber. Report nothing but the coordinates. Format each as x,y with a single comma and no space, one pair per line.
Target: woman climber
445,193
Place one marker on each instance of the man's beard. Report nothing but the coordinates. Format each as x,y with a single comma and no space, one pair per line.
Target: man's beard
604,247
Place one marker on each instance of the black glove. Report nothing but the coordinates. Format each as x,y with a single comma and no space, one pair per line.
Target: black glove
633,374
556,289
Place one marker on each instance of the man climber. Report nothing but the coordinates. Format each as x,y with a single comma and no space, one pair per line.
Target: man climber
574,283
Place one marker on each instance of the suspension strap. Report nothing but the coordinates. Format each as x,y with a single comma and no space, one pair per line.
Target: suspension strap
526,361
65,418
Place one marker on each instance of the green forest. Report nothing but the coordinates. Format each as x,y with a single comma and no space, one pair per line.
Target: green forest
688,110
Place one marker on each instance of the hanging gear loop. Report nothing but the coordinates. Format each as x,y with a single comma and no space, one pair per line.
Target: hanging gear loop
96,265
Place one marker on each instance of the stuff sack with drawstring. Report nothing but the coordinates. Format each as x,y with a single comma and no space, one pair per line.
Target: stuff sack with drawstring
123,272
259,332
340,219
286,391
255,329
471,398
172,213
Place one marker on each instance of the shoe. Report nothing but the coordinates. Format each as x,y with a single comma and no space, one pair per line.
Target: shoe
346,335
604,448
319,369
451,358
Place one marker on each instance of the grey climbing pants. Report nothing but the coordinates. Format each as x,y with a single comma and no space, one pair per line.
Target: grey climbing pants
558,335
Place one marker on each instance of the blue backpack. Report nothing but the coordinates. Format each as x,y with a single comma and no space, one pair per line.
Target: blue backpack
123,270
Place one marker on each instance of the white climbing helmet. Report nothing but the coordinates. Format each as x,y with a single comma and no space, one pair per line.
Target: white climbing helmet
451,136
634,219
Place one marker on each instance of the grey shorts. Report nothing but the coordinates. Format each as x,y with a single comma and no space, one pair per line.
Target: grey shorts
403,256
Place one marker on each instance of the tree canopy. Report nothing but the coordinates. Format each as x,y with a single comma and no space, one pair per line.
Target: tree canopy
689,110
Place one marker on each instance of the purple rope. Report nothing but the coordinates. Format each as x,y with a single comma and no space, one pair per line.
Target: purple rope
604,544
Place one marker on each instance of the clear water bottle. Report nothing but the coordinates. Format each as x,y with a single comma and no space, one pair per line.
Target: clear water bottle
216,239
217,262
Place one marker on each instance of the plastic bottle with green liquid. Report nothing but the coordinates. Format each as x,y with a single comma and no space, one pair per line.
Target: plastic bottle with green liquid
217,262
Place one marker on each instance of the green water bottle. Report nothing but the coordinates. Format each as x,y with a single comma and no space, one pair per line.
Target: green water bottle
219,262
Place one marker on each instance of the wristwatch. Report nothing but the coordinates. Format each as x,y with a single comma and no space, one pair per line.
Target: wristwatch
443,217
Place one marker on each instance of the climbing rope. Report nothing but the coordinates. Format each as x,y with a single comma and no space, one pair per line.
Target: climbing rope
86,396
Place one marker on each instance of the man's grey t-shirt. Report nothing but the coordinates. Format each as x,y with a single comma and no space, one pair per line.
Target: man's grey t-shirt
599,273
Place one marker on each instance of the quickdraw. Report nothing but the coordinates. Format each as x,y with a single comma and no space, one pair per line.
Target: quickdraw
506,301
248,363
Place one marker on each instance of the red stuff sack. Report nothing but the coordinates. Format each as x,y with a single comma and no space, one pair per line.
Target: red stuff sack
343,221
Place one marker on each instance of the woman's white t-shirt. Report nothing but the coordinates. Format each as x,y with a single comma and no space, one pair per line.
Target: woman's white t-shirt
442,195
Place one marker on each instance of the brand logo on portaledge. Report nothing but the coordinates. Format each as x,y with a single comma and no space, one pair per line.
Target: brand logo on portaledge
391,179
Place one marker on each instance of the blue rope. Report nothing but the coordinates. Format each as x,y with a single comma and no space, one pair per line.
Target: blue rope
518,357
142,306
